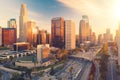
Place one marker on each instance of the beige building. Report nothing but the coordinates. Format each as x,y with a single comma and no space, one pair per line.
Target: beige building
118,43
23,18
100,39
0,36
31,31
42,52
108,36
84,29
69,35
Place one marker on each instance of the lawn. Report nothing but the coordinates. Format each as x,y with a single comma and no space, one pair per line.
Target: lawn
27,58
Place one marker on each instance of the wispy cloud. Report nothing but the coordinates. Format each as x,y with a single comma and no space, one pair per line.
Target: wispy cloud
100,12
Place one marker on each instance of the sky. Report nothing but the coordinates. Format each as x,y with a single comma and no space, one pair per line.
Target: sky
102,13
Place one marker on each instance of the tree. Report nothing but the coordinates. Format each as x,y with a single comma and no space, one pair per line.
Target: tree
52,72
29,72
15,76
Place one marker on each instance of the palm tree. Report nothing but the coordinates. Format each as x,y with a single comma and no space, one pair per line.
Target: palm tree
15,76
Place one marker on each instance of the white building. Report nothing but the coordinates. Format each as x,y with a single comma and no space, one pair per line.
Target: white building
23,18
117,39
118,45
0,36
42,52
69,35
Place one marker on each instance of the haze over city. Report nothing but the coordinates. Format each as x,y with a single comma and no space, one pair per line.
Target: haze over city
102,14
59,40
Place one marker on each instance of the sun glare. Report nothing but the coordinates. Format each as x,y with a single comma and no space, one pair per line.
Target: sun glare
116,10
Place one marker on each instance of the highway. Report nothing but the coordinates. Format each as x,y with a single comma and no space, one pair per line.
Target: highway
84,74
6,75
97,73
111,73
81,70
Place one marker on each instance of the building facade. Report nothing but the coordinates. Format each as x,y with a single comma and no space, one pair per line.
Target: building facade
8,36
31,31
107,36
12,23
117,40
23,18
21,46
58,32
100,39
84,29
42,52
70,35
0,36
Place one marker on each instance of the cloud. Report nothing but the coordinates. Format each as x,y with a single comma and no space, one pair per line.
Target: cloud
87,7
100,12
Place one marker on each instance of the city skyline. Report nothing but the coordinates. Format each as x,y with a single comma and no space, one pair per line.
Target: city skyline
43,11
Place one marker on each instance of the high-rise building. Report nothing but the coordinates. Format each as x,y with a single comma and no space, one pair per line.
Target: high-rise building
58,32
117,37
43,37
12,23
23,18
108,36
43,34
31,31
48,38
93,38
84,29
100,39
69,35
77,40
0,36
8,36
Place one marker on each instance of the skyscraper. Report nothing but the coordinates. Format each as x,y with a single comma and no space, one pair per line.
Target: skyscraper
12,23
108,36
30,31
42,36
0,36
69,35
100,39
23,18
58,32
48,38
84,29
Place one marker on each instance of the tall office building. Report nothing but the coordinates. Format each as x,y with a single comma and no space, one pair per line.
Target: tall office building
48,38
58,32
84,29
0,36
100,39
108,36
12,23
31,31
8,36
43,37
69,35
43,34
93,38
23,18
